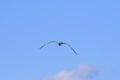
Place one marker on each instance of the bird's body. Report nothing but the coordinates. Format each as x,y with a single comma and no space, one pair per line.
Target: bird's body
59,43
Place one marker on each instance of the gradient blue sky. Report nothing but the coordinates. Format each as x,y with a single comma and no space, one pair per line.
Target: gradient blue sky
92,27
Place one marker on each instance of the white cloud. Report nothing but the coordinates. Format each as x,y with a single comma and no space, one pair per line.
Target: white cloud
84,72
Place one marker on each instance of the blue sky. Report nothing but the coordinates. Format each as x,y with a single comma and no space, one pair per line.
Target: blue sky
91,27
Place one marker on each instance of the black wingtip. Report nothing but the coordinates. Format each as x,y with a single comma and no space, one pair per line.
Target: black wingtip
41,47
76,53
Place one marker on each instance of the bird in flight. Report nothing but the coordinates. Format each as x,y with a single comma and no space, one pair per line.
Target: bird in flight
59,43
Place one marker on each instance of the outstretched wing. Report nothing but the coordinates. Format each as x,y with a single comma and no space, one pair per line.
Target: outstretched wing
47,44
71,48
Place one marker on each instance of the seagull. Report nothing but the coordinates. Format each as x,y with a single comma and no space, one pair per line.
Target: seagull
59,43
